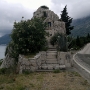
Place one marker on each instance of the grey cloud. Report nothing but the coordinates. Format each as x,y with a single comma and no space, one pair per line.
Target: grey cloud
10,13
75,8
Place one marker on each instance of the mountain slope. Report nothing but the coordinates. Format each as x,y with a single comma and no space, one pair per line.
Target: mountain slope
5,39
81,26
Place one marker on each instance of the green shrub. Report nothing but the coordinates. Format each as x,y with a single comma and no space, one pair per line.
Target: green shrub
26,72
45,7
57,71
85,82
76,74
8,70
28,36
0,62
60,40
3,70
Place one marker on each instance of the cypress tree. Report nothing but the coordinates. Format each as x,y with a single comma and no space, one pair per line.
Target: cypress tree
67,20
78,41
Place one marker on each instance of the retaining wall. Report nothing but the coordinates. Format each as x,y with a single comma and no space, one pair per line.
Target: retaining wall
31,64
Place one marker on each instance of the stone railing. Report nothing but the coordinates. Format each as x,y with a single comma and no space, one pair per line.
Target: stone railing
31,64
64,58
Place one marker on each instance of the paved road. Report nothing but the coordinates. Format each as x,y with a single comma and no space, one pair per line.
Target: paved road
84,55
82,62
86,49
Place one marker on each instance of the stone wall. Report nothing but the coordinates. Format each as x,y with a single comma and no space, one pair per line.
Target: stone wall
31,64
65,58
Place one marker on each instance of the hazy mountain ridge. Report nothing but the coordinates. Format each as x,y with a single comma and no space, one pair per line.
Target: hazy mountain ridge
81,26
5,39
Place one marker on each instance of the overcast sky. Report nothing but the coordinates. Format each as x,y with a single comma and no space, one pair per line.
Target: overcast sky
11,10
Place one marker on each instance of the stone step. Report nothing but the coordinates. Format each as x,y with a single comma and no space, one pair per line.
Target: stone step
51,67
51,51
50,64
44,70
51,61
51,46
43,61
51,56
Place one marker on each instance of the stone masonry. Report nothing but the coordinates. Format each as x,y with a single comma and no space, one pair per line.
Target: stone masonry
54,25
50,59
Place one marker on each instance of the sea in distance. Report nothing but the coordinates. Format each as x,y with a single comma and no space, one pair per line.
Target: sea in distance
2,51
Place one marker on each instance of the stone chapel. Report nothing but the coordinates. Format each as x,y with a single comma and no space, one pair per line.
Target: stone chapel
54,24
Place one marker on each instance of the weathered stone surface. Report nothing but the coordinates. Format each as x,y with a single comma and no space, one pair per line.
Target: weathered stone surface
57,67
45,67
30,64
51,57
50,67
34,64
7,62
54,25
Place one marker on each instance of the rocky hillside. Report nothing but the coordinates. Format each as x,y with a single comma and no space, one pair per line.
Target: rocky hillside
81,26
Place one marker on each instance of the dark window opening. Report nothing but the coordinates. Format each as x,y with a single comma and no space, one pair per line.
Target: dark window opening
44,14
50,34
49,24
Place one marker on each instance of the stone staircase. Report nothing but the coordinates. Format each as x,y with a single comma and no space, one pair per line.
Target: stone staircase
51,63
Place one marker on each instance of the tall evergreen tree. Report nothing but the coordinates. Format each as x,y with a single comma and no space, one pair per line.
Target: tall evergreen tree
88,37
67,20
78,41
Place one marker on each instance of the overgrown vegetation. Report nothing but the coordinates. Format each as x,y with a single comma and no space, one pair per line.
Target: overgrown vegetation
45,7
57,71
1,60
69,42
60,40
54,39
8,70
28,36
67,20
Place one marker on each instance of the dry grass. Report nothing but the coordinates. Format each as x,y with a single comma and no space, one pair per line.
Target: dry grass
44,81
